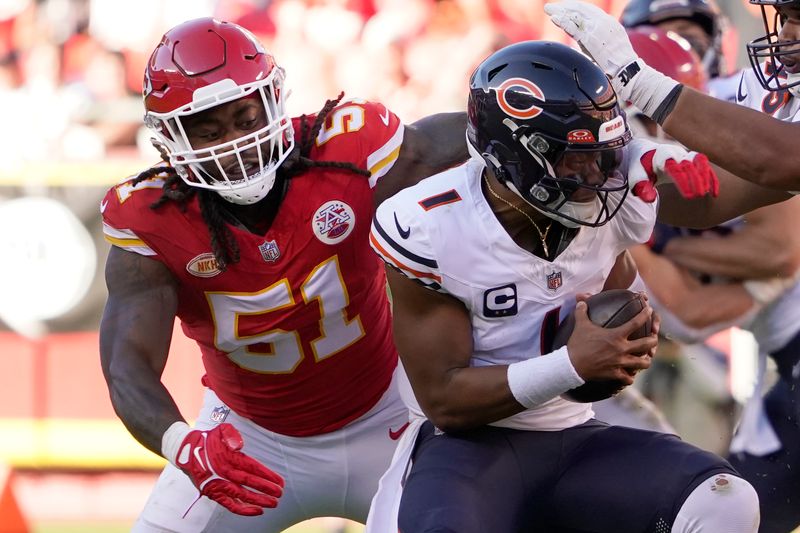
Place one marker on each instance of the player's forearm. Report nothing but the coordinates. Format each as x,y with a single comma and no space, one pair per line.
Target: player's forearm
732,257
711,305
146,410
736,197
467,398
141,401
430,145
751,145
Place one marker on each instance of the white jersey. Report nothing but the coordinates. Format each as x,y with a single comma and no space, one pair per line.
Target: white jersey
780,104
443,234
724,87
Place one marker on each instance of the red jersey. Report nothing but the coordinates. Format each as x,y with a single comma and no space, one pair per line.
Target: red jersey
296,336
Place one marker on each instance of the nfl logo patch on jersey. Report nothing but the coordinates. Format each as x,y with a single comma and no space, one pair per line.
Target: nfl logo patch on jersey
219,414
554,281
333,222
269,251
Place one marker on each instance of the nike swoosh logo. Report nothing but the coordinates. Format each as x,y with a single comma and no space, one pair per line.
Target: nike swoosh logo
199,458
385,118
394,435
103,205
404,233
740,96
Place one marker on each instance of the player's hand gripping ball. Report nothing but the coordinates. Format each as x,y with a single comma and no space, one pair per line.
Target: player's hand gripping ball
607,309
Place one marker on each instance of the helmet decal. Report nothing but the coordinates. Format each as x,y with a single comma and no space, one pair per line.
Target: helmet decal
612,129
147,85
581,136
519,85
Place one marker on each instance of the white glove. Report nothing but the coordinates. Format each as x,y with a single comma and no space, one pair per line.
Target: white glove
650,164
604,38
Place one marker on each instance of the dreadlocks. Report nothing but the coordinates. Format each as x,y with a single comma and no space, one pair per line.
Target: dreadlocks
212,207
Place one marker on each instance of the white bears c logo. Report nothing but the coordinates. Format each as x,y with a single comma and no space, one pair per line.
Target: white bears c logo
519,85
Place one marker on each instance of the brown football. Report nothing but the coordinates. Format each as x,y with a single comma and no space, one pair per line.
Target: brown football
608,309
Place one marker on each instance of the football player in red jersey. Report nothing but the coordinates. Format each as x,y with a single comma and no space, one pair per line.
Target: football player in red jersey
254,232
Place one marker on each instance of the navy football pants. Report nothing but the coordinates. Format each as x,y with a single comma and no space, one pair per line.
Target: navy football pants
590,478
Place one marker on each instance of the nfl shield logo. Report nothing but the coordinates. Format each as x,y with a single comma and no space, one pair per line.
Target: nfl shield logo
554,281
269,251
219,414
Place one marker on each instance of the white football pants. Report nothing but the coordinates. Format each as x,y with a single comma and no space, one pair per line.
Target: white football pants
335,474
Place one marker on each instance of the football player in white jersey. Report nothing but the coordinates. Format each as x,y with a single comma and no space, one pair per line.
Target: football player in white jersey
756,146
484,260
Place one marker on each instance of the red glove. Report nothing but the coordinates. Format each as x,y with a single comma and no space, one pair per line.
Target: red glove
213,461
651,164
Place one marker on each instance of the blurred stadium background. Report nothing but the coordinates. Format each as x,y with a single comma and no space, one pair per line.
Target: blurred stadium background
70,78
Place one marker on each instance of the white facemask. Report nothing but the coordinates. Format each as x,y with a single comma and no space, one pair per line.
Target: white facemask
258,188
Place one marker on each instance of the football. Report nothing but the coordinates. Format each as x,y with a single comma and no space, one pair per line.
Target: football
608,309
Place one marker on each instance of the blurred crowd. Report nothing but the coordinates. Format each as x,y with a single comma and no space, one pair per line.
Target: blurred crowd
71,70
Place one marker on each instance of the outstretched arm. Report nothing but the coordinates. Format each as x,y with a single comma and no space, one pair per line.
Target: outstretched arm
736,197
751,145
135,334
622,274
430,145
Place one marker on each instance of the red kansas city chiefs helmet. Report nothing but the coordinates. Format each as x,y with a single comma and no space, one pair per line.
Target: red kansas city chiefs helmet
669,54
204,63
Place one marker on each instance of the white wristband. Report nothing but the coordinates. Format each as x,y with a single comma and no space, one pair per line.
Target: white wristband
643,86
172,439
539,379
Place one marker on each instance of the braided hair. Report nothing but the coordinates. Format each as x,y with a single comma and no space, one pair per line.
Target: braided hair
212,206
